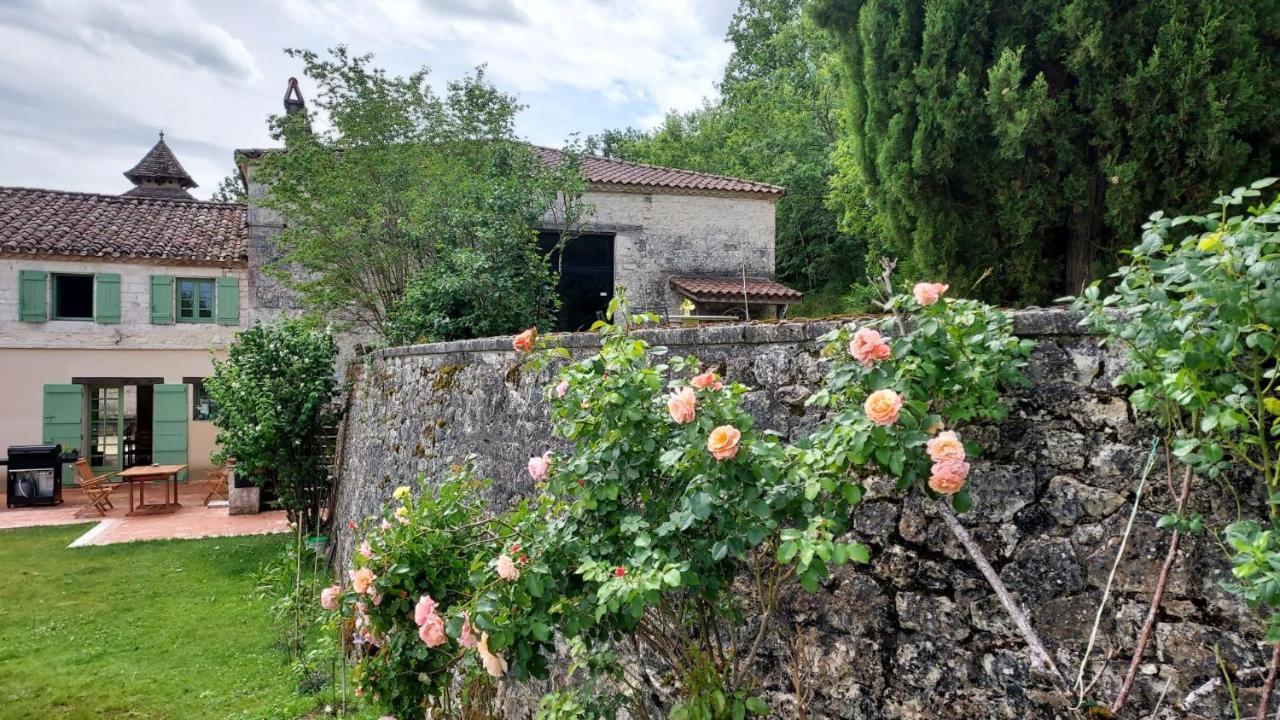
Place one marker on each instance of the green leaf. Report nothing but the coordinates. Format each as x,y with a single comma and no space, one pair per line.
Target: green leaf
859,553
757,706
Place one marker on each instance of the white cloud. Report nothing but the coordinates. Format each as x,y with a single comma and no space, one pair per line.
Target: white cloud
662,53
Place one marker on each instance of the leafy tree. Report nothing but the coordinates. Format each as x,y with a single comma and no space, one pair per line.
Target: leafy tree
776,121
275,395
401,183
230,190
1025,136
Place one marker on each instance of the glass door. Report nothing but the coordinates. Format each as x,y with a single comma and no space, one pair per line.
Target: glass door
106,427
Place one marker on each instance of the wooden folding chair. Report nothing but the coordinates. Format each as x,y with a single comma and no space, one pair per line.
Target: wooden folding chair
96,489
215,481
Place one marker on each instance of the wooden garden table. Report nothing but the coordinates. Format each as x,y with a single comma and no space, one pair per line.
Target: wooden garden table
140,475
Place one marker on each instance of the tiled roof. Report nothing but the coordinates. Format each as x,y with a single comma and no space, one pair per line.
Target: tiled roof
622,174
609,171
726,288
85,225
160,164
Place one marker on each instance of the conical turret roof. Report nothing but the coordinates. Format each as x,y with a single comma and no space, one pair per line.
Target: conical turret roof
160,165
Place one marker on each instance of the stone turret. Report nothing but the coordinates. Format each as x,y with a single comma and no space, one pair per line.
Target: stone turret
159,175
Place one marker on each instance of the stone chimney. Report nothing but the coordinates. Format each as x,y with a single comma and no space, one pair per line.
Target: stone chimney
293,102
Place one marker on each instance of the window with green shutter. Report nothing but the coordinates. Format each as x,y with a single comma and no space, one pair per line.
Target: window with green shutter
195,300
106,301
162,299
63,424
228,301
169,425
32,296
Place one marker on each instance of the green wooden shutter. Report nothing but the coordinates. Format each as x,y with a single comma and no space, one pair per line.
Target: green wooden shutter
228,301
32,305
63,422
162,299
169,425
106,298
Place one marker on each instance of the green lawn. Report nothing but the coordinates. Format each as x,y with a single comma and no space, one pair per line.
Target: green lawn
167,629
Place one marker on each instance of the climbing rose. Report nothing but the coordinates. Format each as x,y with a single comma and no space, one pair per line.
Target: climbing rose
362,581
466,638
366,552
385,525
432,631
507,570
947,476
494,663
425,608
562,388
706,380
723,442
538,466
928,293
329,597
946,446
401,492
524,341
882,407
402,515
683,405
619,571
868,347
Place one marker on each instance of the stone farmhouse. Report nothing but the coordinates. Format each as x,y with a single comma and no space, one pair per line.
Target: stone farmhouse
112,307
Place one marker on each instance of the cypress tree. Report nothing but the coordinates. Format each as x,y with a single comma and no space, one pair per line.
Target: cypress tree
1032,137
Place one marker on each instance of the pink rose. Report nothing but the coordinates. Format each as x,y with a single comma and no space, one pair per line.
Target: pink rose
329,597
366,552
723,442
706,380
946,446
538,466
362,581
494,663
425,608
947,476
466,637
928,293
386,525
683,405
562,388
507,569
432,631
868,347
524,341
882,407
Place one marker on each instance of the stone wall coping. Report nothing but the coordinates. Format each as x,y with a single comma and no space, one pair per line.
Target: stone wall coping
1030,322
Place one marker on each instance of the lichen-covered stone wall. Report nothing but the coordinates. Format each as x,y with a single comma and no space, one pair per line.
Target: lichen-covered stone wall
917,633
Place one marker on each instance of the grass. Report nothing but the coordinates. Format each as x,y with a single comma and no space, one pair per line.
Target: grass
167,629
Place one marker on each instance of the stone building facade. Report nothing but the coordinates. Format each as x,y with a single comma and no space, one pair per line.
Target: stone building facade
917,633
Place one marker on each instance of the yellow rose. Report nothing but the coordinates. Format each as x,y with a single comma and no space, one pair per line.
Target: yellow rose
1210,243
401,492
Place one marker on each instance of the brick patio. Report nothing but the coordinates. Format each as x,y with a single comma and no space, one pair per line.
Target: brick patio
192,521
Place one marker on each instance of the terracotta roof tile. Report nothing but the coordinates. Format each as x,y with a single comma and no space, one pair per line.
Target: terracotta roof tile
609,171
728,288
70,224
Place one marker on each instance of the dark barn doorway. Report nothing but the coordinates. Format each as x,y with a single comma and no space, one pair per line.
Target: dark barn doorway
586,276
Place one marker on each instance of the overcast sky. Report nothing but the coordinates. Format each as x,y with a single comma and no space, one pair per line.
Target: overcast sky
85,85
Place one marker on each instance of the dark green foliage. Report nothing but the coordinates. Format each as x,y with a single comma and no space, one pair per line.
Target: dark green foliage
1026,136
402,182
229,190
275,396
775,121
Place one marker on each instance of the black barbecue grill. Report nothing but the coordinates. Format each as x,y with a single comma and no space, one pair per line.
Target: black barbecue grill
35,474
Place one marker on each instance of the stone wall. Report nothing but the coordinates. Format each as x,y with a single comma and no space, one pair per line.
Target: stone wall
917,633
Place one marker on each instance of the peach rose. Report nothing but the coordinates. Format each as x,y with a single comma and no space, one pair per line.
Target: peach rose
882,407
466,637
494,663
683,405
723,442
524,341
928,293
432,631
706,380
507,569
329,597
868,347
946,446
425,608
562,388
947,476
538,466
362,581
